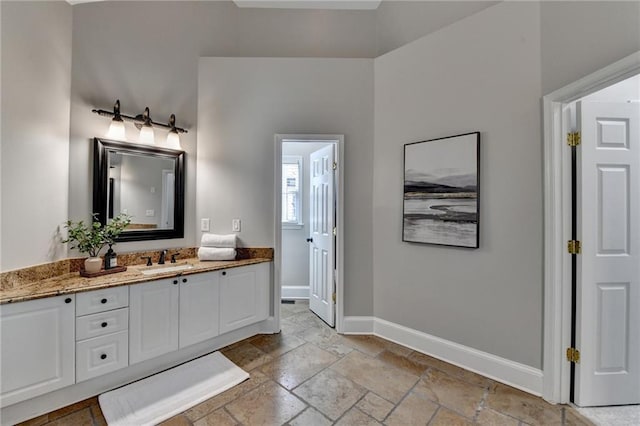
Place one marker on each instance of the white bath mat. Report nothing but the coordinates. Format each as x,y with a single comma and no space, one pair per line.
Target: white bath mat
163,395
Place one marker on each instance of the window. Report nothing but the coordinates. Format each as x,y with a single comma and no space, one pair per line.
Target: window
291,190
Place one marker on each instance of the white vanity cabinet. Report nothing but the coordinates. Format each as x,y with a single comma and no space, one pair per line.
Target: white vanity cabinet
153,319
37,347
171,314
244,296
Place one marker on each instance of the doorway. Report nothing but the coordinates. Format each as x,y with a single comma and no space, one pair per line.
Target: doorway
309,224
563,111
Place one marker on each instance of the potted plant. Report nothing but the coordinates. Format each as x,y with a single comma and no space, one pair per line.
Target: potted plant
92,238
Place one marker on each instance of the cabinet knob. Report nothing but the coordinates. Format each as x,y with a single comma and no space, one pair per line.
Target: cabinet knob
67,300
184,280
175,281
103,301
224,272
103,356
104,324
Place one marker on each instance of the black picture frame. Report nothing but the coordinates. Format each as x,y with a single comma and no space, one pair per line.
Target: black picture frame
101,202
441,191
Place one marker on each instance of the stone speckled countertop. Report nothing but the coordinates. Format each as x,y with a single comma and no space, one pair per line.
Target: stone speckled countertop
73,283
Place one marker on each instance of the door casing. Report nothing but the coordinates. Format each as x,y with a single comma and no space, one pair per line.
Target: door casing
557,222
339,179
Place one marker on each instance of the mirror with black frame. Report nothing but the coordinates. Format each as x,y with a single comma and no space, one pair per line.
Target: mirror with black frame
145,182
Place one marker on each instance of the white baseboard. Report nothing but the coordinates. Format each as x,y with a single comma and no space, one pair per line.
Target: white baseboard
358,325
509,372
295,292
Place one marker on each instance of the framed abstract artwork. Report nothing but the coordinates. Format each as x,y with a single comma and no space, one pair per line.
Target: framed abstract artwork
441,203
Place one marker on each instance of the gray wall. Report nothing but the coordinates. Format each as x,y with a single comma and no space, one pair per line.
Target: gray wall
242,104
36,81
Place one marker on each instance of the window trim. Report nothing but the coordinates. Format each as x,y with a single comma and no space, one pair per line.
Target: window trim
295,159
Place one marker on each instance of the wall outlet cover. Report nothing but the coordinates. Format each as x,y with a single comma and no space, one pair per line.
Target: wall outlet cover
204,224
235,225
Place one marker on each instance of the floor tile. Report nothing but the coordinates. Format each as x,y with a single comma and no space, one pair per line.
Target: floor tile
355,417
523,406
375,406
330,393
387,381
218,418
450,369
246,356
212,404
178,420
451,392
268,404
98,417
327,339
445,417
296,366
370,345
311,417
415,409
402,362
36,421
275,345
489,417
289,327
78,418
72,408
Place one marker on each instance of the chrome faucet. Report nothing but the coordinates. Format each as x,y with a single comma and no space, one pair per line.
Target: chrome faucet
162,255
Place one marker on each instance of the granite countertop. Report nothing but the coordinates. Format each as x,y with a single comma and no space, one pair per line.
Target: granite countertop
73,283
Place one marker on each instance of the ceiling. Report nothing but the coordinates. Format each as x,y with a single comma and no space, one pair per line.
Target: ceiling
291,4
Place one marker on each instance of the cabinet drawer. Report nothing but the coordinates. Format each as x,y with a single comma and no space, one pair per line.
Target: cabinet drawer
101,355
102,300
102,323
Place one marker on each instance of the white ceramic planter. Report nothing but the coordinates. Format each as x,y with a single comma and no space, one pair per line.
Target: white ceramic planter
93,265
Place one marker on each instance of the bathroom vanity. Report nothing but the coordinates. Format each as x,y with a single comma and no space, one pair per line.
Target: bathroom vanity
73,338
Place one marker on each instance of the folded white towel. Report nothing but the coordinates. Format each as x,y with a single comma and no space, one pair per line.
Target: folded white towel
216,240
216,253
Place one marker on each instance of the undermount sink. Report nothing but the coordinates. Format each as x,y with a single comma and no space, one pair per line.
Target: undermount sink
154,270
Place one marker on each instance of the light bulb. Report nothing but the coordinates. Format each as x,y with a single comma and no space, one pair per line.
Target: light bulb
173,140
116,130
146,135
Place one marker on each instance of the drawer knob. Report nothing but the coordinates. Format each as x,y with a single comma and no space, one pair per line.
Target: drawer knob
175,281
103,301
224,272
104,324
184,280
103,356
67,300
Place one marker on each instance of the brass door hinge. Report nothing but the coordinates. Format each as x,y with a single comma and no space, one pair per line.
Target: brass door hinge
335,165
573,247
333,297
573,355
573,138
335,231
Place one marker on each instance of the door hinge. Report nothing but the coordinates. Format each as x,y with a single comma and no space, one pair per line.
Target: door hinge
335,231
333,297
335,165
573,247
573,138
573,355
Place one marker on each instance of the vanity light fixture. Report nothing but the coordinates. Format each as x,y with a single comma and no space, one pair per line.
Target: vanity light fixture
173,138
144,123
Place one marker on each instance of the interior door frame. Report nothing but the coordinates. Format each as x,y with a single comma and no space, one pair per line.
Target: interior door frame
557,222
339,197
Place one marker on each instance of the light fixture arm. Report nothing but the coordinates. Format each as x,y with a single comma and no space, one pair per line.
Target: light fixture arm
138,120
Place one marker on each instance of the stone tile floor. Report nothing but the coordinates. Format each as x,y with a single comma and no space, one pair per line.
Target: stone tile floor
308,375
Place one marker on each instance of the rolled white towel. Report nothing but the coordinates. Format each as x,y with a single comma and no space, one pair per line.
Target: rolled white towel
216,253
217,240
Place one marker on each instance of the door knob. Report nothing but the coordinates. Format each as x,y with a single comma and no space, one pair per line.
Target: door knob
309,240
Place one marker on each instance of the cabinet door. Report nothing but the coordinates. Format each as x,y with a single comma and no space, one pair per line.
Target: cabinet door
37,347
199,308
153,319
244,296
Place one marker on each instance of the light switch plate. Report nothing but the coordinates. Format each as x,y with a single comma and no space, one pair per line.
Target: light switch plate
235,225
204,224
151,212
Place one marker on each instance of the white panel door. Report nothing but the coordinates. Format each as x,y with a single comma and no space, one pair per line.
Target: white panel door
153,319
321,248
199,295
37,347
608,294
